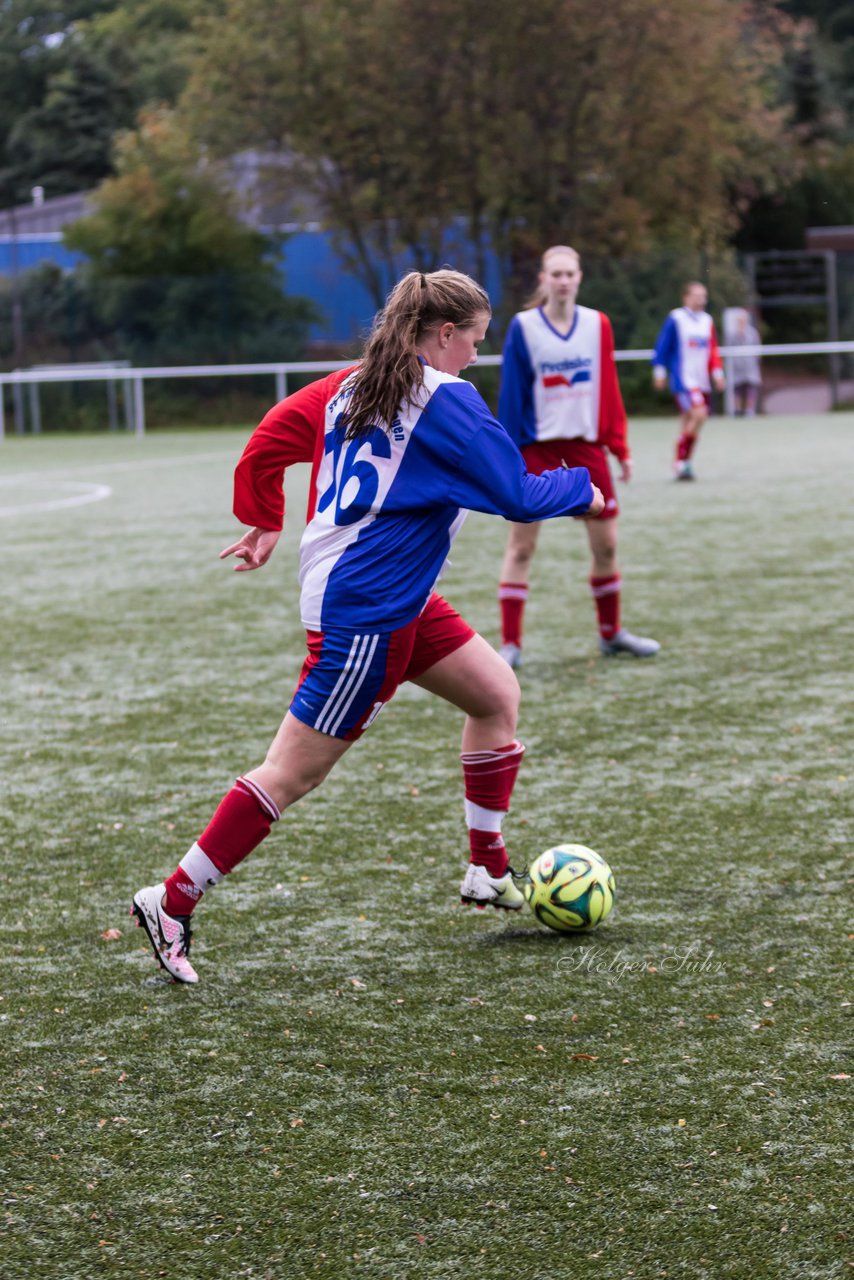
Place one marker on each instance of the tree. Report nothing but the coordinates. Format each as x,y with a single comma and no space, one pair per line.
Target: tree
58,317
72,76
174,270
64,144
524,124
156,42
34,38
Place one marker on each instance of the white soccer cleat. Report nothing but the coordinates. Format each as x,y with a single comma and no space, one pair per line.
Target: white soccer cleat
683,471
481,889
512,655
169,936
624,642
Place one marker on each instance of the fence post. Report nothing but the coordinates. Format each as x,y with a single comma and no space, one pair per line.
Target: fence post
35,409
128,399
281,384
18,402
2,413
832,323
138,407
111,405
729,389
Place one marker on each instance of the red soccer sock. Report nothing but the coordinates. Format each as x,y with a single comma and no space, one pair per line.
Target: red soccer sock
606,595
685,446
512,597
489,780
242,820
487,849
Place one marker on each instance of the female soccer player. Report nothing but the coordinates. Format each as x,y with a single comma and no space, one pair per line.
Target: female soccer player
686,350
560,401
401,446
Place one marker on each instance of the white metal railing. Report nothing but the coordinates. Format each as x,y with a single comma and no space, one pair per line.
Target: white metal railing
135,378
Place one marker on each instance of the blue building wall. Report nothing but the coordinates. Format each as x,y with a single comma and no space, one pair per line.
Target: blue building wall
311,268
33,250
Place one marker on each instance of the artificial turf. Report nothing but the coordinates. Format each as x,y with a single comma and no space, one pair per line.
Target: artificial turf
371,1080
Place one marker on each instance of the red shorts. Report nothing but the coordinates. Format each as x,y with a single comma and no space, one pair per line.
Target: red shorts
347,678
547,455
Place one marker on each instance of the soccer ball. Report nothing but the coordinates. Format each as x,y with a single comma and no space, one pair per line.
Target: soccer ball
569,888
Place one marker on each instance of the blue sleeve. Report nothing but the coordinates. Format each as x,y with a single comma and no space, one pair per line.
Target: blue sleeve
489,473
666,345
516,398
496,481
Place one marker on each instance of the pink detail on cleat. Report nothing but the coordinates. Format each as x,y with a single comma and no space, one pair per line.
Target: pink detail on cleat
170,937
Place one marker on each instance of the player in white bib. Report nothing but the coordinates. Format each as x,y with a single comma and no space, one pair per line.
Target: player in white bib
401,447
561,402
686,354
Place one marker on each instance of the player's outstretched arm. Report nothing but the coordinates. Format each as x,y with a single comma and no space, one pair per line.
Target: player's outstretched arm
254,548
596,506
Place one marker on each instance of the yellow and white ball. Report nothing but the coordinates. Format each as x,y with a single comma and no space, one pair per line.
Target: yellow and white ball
570,888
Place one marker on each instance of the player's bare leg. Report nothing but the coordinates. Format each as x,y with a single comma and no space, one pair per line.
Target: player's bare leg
475,679
513,588
298,760
478,681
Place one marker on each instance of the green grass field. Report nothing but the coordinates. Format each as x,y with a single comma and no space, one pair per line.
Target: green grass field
371,1081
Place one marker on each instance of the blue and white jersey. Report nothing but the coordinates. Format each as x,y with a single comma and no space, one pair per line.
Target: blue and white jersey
551,382
687,349
390,504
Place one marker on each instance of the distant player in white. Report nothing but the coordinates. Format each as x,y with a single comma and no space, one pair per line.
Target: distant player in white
686,353
401,447
560,400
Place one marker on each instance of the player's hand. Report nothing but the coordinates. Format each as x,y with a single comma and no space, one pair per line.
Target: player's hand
596,506
627,468
254,549
659,381
720,379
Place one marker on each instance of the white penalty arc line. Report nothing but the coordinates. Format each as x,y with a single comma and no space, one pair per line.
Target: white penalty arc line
81,496
138,464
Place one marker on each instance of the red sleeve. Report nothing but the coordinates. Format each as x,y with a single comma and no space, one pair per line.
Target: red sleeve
715,361
291,432
612,415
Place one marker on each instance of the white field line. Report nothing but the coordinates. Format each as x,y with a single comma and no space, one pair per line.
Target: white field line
112,468
81,495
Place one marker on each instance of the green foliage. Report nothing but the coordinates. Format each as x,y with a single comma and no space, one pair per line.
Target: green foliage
39,61
72,77
823,195
58,317
831,49
370,1082
173,270
156,39
543,124
64,143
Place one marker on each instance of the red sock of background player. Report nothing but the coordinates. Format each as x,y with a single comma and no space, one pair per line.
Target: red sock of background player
489,780
241,822
690,442
512,597
684,445
606,595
